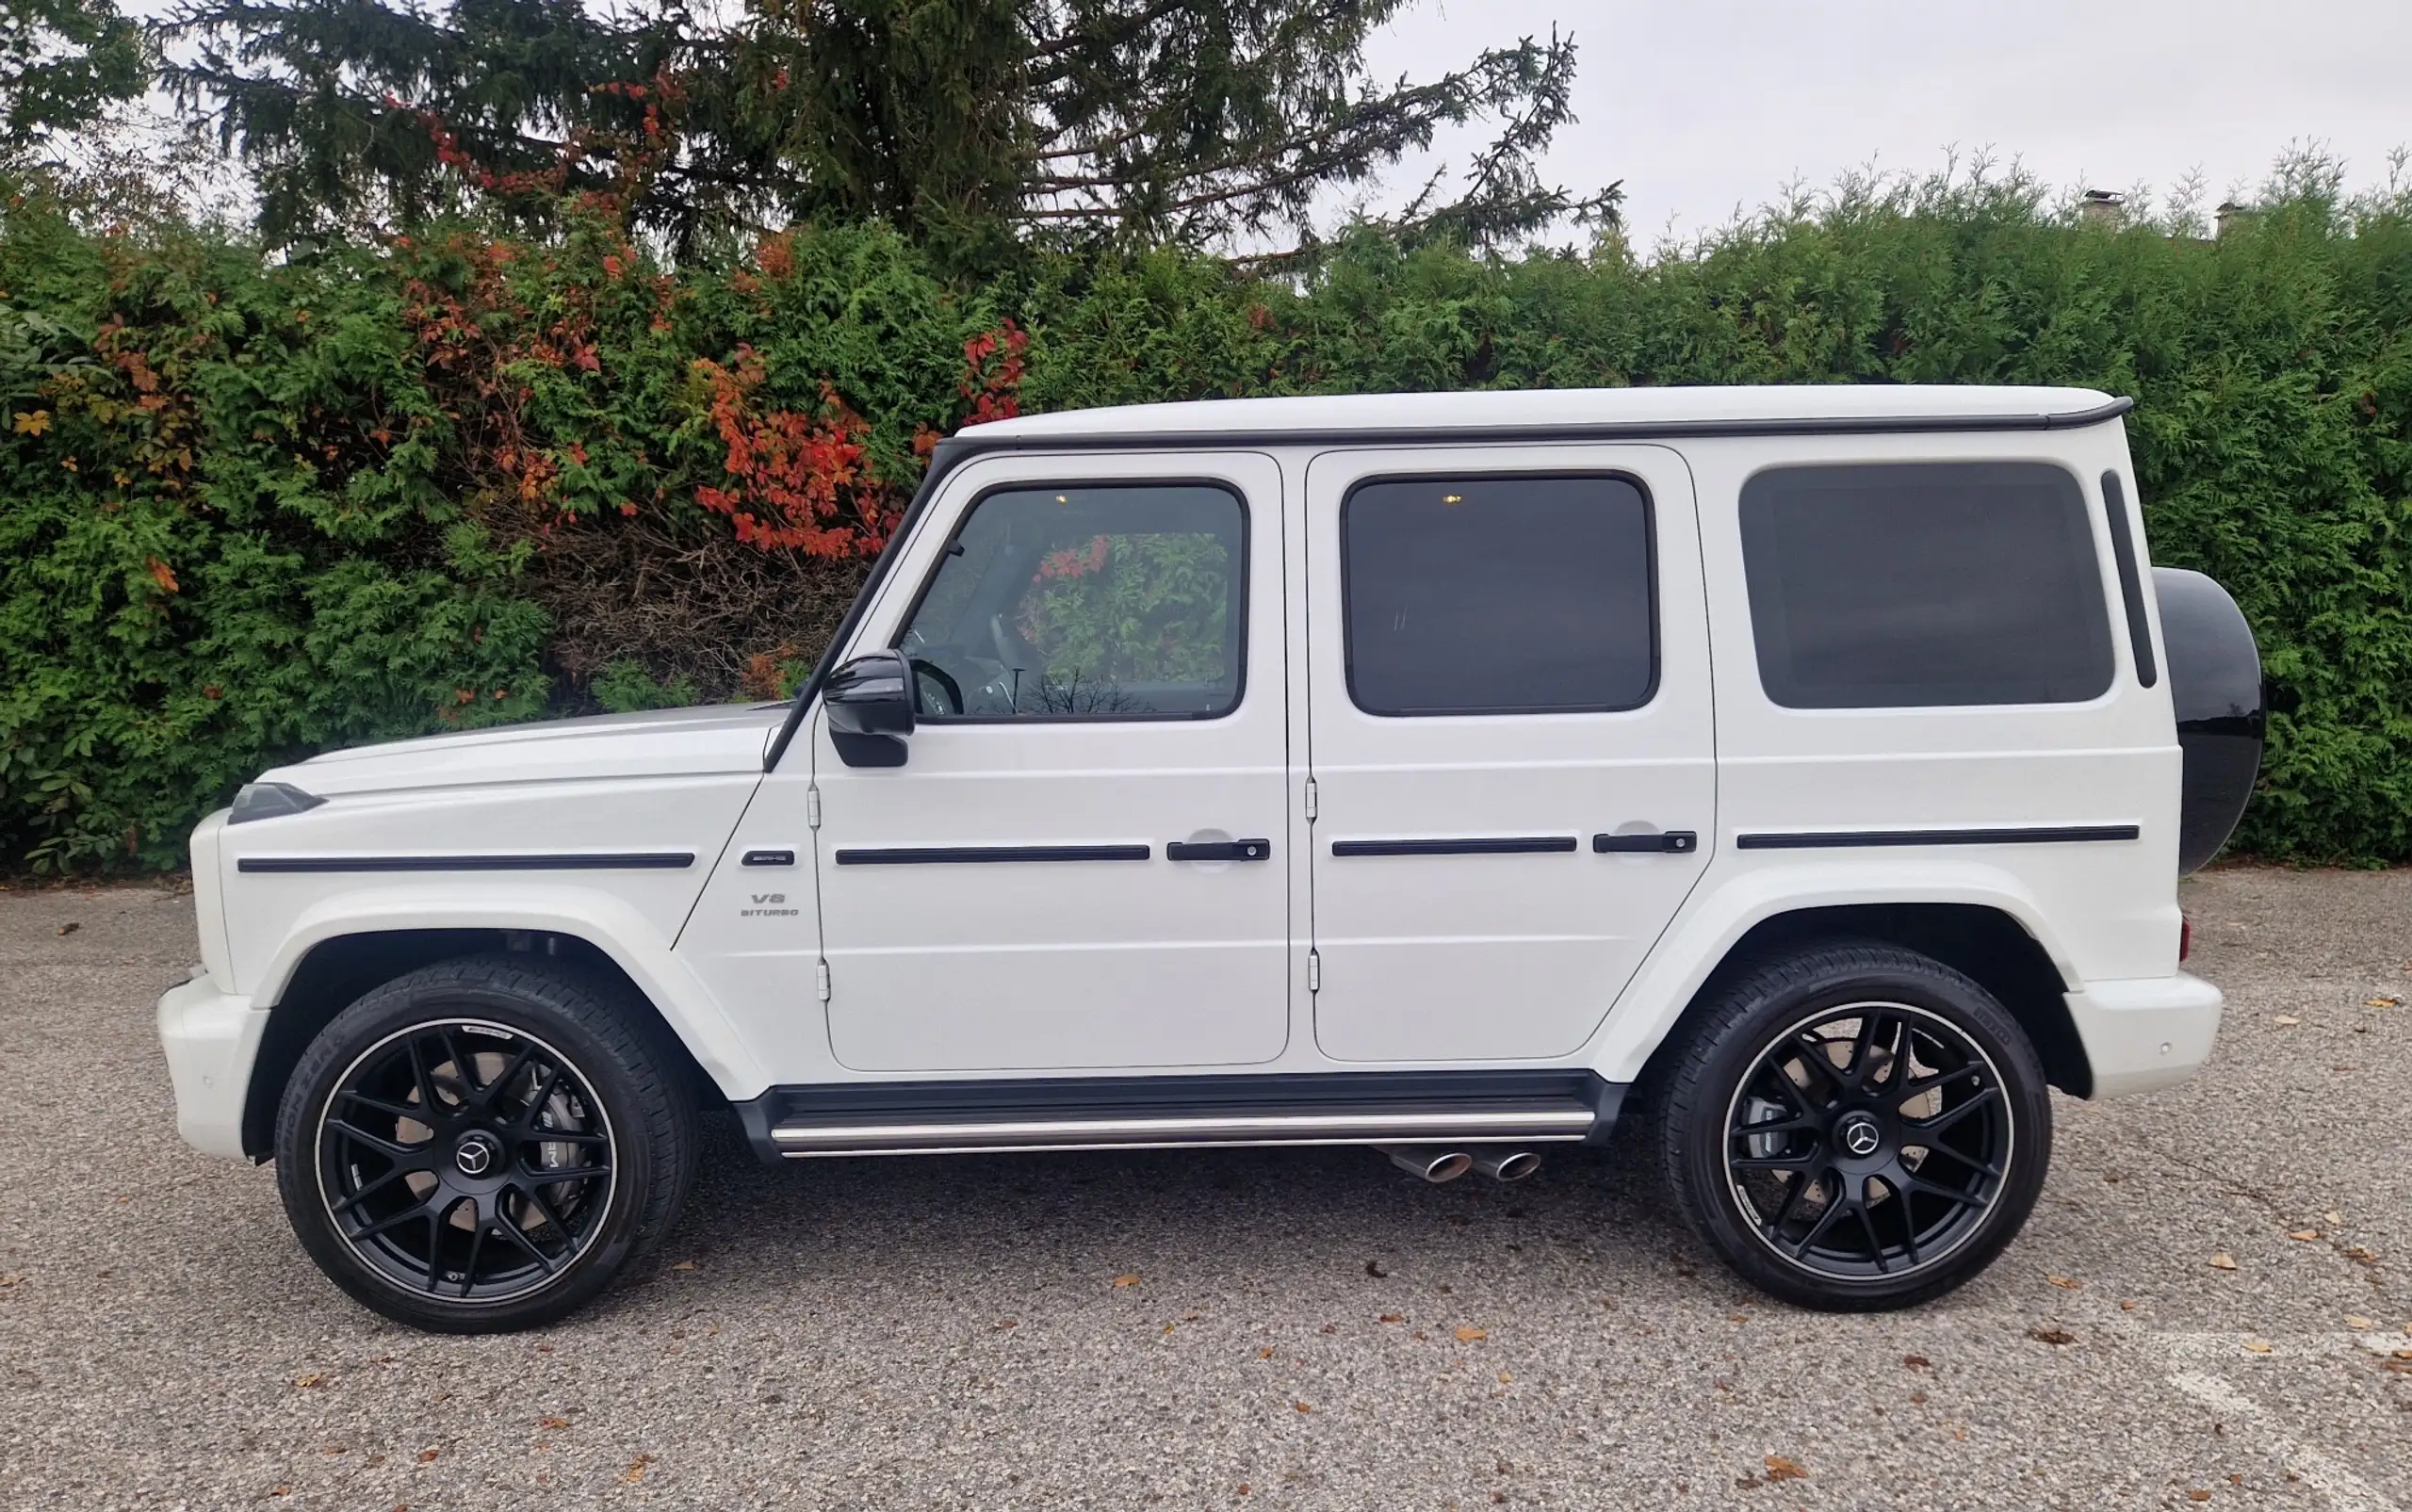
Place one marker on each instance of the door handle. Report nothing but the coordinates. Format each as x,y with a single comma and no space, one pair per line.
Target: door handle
1218,850
1669,843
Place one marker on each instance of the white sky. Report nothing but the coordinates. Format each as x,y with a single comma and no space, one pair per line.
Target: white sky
1706,106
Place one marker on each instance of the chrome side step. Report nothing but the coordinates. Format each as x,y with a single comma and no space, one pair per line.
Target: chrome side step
1519,1124
873,1117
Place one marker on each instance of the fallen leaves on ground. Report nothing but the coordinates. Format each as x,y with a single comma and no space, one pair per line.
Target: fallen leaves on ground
552,1422
2306,1235
427,1457
1467,1333
1916,1362
636,1469
2287,1020
1780,1468
313,1379
1300,1407
2198,1495
69,927
2051,1336
2361,1256
2382,1002
684,1265
2066,1283
2256,1346
2221,1261
1126,1281
1393,1316
2357,1320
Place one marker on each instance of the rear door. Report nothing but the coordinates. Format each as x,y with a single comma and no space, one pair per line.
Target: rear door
1511,740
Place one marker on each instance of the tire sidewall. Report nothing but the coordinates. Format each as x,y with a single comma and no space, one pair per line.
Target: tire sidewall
1696,1124
430,996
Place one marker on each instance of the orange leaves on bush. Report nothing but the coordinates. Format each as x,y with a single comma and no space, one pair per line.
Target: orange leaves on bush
994,362
797,482
161,574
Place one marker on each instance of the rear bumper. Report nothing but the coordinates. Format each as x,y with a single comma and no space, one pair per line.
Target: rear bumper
211,1038
2144,1032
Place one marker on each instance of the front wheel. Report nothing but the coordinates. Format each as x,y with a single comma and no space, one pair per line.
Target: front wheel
479,1145
1855,1127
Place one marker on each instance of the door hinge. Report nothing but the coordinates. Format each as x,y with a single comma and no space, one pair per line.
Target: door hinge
1315,970
811,806
820,980
1311,797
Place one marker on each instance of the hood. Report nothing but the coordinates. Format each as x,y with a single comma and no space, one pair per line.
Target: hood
671,743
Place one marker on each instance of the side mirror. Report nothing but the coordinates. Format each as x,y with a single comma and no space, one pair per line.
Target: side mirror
869,703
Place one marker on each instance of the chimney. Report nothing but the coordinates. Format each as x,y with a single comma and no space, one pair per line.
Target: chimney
2100,208
2230,214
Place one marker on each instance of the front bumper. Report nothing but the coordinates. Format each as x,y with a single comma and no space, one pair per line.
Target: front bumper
2144,1032
211,1038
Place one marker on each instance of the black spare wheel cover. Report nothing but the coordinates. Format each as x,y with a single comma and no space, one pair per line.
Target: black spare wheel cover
2215,686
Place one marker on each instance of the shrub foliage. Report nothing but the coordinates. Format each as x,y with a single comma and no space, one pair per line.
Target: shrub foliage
254,508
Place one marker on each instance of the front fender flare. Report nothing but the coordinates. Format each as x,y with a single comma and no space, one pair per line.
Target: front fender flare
608,923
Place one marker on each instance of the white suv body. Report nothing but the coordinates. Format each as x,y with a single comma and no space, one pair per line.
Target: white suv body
1312,853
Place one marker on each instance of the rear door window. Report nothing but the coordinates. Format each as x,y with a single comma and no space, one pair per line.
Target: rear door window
1923,585
1498,595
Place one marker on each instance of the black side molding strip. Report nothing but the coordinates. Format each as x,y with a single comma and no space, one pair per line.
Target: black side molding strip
1502,845
949,854
585,861
2029,835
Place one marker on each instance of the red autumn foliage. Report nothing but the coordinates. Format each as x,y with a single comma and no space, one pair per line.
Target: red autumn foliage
800,481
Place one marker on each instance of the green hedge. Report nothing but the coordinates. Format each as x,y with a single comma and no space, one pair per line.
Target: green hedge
253,510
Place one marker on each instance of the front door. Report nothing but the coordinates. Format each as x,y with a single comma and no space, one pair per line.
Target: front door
1510,737
1080,862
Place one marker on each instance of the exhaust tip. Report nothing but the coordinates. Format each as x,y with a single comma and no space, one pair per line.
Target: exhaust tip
1434,1165
1513,1166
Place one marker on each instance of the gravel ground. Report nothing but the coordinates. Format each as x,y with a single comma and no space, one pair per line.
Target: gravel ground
1292,1329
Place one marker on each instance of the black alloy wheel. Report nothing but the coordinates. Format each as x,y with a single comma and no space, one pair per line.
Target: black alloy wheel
482,1143
1853,1125
465,1160
1867,1139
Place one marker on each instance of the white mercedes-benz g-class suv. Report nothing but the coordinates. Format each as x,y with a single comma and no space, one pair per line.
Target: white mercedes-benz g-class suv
1803,775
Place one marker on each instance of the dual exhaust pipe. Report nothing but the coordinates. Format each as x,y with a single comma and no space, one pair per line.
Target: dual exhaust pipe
1437,1164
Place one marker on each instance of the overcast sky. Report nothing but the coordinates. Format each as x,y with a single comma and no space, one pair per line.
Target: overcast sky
1702,107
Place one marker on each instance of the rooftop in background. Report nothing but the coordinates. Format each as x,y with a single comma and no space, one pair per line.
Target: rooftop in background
1992,406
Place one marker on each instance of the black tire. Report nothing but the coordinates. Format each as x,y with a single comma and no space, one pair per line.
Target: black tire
1941,1087
564,1096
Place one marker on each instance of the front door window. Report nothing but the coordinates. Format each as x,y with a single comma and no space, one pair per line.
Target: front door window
1085,603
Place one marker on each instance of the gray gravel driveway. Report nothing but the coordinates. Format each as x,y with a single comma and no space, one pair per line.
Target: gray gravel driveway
1244,1328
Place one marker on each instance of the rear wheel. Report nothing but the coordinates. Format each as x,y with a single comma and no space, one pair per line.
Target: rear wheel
1855,1127
481,1144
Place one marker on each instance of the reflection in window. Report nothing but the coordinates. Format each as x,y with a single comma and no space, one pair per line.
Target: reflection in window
1116,602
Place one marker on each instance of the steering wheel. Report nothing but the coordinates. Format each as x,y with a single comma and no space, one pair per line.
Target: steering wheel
945,680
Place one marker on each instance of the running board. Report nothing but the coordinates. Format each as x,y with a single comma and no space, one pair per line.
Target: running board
1165,1112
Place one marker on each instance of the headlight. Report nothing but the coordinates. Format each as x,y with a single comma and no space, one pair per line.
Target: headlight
271,800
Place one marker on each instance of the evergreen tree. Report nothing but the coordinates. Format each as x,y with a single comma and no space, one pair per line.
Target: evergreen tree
63,63
971,125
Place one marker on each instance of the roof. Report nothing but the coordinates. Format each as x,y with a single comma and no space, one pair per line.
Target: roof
1674,410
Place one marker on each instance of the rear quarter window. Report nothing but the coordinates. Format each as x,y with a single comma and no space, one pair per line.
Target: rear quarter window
1919,585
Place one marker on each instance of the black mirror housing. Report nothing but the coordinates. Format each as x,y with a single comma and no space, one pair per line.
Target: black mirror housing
869,704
